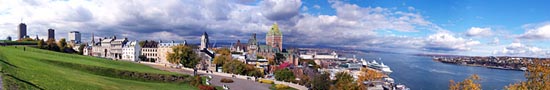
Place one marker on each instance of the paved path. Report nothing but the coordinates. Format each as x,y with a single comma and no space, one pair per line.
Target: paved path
238,84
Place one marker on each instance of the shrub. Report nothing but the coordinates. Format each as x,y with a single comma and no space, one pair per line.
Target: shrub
281,86
206,87
266,81
226,80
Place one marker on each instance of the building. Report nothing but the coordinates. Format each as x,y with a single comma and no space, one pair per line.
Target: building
274,37
164,49
131,51
109,48
238,47
74,37
205,42
150,51
51,34
22,31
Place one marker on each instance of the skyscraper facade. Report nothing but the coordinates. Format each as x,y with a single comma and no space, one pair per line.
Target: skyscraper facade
51,34
74,37
22,31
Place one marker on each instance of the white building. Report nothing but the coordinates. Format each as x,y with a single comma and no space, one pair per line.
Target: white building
109,48
131,51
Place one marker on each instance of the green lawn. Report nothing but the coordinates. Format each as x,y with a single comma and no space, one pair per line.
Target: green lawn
42,69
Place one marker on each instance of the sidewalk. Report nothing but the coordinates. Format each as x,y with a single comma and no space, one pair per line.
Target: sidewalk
227,75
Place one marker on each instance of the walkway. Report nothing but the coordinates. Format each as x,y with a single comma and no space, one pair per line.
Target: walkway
238,84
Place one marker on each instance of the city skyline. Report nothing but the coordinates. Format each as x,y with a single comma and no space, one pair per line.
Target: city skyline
460,28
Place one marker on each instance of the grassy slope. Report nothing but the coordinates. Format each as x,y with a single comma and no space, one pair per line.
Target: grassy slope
27,65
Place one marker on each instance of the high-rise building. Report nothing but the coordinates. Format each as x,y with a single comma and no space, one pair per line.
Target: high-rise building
274,37
204,41
74,37
22,31
51,34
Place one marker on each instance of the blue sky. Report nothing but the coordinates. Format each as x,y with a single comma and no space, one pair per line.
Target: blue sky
465,27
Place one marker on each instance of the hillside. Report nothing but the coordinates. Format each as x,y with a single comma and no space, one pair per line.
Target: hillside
42,69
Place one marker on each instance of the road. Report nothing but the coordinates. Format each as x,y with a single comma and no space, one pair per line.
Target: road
238,84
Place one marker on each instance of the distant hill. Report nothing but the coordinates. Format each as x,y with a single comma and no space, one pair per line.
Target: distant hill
41,69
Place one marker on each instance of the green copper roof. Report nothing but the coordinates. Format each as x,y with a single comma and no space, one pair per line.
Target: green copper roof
274,31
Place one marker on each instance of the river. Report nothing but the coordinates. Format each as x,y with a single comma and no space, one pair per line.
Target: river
421,73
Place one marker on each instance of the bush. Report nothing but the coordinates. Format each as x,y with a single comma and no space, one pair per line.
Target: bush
281,86
206,87
266,81
226,80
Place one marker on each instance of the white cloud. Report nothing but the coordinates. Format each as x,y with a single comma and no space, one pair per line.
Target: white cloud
479,32
316,6
541,31
444,41
280,9
518,49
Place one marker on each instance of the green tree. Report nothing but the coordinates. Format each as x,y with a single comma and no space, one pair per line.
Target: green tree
62,44
142,43
284,75
183,55
344,81
279,58
321,82
41,43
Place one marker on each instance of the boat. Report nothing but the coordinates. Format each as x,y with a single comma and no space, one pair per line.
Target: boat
381,67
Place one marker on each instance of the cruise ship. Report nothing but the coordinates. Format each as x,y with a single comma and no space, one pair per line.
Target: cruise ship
383,68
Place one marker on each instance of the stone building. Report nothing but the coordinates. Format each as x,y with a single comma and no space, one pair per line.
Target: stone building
109,48
131,51
164,49
150,51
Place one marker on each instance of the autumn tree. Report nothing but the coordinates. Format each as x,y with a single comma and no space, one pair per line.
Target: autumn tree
41,43
344,81
469,83
62,44
234,66
225,56
538,77
183,55
369,75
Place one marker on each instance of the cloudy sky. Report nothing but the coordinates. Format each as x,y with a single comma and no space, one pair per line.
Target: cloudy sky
466,27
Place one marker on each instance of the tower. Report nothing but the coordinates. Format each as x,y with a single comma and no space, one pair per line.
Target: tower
274,37
51,34
22,31
204,41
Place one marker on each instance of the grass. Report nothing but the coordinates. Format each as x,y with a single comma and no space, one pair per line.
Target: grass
42,69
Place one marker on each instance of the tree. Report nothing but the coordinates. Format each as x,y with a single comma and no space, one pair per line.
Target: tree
321,82
142,57
51,45
235,67
538,77
183,55
344,81
225,56
279,58
142,43
284,75
62,44
81,49
468,84
41,43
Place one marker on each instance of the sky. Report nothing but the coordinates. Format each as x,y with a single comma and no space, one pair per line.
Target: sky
456,27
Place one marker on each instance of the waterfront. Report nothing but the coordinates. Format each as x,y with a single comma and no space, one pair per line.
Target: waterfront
422,73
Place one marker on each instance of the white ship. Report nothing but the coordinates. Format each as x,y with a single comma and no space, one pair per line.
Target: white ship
384,68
